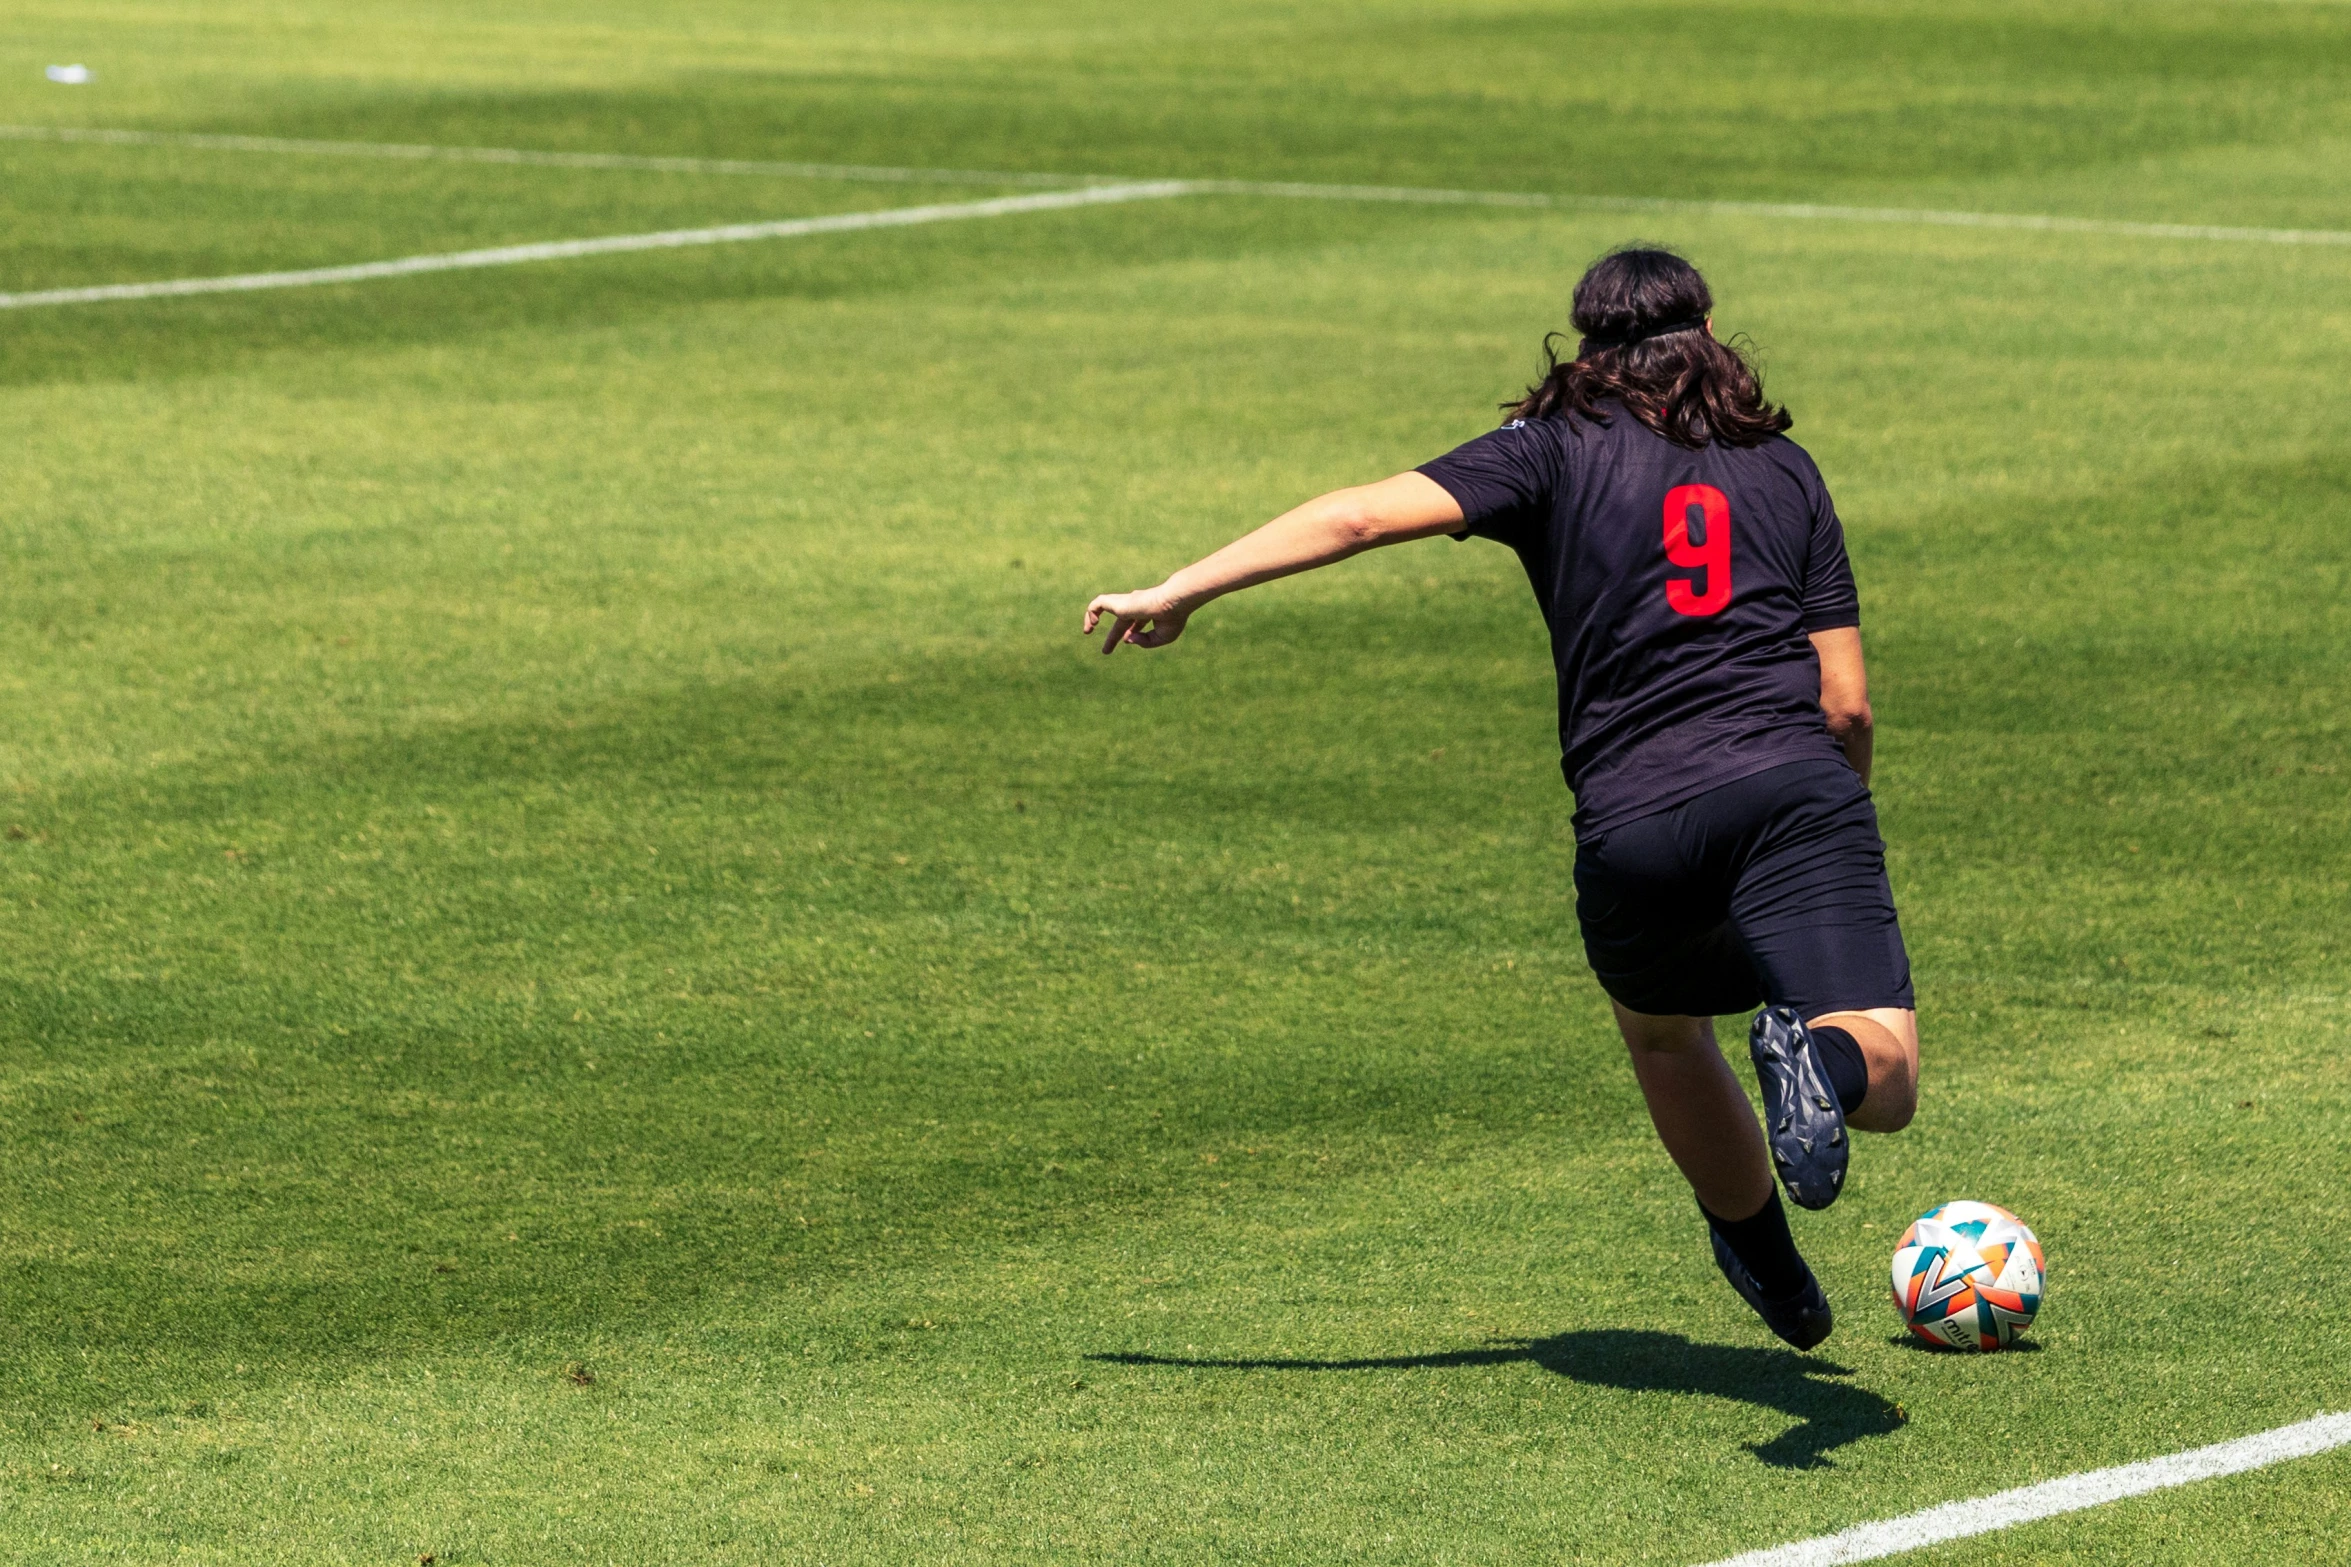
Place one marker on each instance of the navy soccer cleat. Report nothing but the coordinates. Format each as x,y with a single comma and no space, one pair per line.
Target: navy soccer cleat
1803,1319
1801,1118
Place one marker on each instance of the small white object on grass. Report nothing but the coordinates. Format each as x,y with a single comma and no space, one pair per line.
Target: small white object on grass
71,75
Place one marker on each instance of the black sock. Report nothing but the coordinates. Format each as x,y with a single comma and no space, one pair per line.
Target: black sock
1848,1073
1763,1245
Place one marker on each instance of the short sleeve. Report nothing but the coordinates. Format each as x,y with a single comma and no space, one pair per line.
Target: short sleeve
1504,480
1830,599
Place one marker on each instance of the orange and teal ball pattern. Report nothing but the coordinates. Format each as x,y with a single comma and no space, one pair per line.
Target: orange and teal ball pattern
1968,1275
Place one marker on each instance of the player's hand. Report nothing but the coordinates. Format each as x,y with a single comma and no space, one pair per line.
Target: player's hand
1151,618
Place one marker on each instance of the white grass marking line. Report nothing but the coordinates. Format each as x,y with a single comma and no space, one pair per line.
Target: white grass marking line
2070,1493
1418,195
563,249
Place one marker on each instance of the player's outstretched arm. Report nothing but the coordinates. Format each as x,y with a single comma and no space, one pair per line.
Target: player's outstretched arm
1326,529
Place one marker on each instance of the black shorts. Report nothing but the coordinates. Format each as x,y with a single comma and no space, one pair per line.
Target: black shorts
1770,889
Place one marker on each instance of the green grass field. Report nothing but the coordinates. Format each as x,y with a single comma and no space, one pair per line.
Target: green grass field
591,971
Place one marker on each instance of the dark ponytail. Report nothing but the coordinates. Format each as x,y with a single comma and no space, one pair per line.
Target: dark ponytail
1642,313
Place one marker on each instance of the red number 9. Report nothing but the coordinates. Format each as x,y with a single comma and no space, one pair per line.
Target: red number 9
1698,537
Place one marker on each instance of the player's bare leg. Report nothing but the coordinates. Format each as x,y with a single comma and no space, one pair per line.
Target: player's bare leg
1700,1111
1888,1037
1703,1118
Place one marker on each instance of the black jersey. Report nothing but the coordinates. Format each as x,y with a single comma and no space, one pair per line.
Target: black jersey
1679,586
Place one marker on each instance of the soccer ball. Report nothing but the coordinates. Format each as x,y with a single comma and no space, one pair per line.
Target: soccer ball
1968,1275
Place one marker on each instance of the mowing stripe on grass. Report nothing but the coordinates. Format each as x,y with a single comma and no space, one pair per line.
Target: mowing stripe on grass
563,249
1798,210
2070,1493
420,153
1813,210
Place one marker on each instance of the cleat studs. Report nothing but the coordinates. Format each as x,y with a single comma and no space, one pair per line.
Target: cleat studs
1804,1143
1820,1101
1836,1138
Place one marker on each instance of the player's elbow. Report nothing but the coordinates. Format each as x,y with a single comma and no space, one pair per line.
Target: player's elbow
1848,719
1353,524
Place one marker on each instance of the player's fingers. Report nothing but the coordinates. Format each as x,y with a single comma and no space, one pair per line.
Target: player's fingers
1119,626
1094,612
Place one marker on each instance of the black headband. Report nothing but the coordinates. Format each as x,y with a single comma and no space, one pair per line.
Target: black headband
1642,334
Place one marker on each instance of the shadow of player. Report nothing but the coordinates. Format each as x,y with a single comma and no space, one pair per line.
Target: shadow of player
1829,1413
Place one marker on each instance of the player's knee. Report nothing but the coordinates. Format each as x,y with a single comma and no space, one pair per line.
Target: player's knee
1889,1107
1650,1035
1890,1103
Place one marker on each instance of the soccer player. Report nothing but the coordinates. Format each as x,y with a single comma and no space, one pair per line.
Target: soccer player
1714,725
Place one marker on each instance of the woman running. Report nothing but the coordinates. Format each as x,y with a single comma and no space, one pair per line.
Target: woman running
1714,725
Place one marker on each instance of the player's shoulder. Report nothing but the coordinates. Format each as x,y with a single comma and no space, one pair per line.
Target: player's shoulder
1576,440
1543,427
1777,452
1547,440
